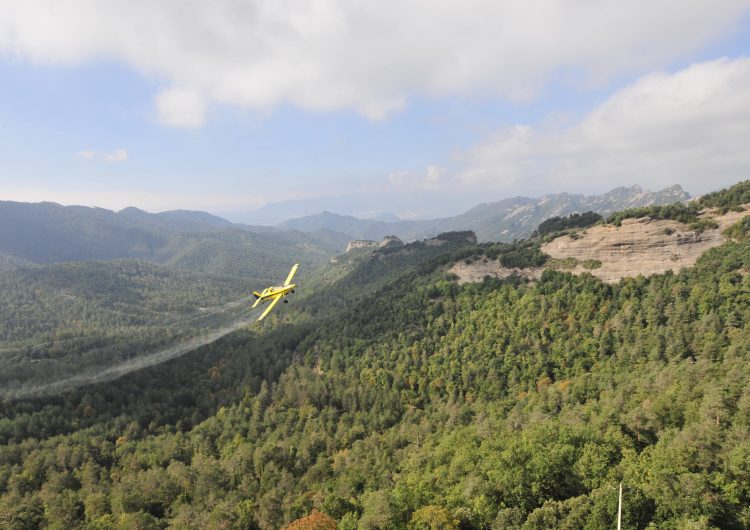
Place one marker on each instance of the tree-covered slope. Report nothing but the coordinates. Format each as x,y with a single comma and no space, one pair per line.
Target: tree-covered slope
494,405
67,319
10,263
72,319
250,255
46,233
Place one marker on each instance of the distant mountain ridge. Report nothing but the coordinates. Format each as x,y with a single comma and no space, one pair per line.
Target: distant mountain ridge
506,220
46,233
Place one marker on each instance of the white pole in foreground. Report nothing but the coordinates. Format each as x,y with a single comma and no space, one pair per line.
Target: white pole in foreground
619,510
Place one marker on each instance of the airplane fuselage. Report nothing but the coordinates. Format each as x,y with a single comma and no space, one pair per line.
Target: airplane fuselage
271,292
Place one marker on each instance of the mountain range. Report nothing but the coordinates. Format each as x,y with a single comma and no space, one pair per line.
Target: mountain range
45,233
505,220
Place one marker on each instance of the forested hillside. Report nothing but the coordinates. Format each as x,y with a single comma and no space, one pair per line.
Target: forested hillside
414,402
83,289
73,318
46,233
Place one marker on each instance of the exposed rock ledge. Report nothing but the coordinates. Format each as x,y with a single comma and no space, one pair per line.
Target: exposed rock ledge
477,270
388,242
640,246
361,243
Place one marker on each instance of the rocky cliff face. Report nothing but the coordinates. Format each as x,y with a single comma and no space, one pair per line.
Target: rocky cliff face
361,243
387,242
476,271
391,242
640,246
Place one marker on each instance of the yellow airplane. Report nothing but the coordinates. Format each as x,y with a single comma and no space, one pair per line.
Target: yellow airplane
275,293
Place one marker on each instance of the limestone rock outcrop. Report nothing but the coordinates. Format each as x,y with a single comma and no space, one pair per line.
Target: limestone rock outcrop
477,270
390,242
361,243
640,246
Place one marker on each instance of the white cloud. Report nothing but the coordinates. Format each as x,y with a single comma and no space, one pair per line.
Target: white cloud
118,155
690,127
371,57
433,178
181,108
86,155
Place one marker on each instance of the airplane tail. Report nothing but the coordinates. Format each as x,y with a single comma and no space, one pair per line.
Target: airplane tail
256,294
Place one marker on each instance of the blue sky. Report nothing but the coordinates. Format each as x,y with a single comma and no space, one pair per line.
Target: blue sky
184,119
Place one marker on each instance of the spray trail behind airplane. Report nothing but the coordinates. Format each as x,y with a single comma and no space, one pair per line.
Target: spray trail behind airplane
124,368
192,320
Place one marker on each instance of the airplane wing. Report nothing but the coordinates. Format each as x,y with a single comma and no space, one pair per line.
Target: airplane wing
291,274
270,306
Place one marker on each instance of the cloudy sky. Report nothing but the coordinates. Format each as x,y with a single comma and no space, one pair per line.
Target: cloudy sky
412,106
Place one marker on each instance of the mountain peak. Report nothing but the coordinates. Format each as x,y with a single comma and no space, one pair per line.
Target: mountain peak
132,210
504,220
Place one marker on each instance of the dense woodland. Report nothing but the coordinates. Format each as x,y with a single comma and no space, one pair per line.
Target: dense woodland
63,319
408,401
